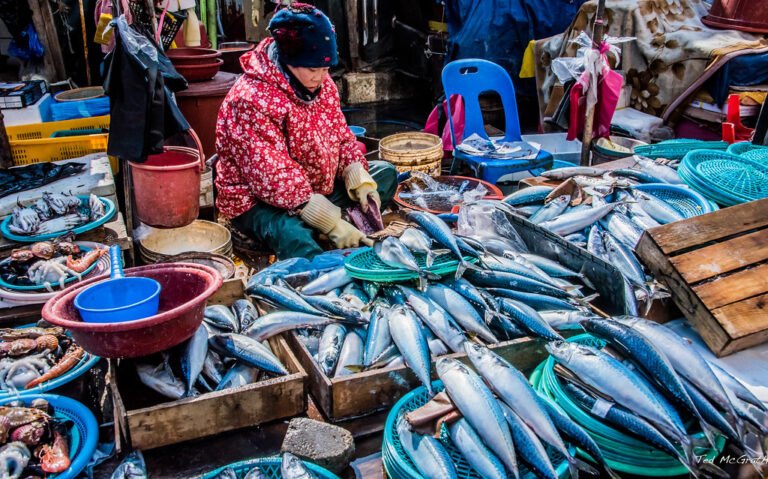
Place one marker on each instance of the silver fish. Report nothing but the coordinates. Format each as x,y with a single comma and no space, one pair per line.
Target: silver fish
529,447
212,366
256,473
394,253
479,407
132,467
461,310
160,378
245,312
330,347
569,172
624,259
407,334
427,453
193,357
441,233
327,282
572,222
221,317
241,374
249,351
475,452
437,348
656,208
436,318
622,228
551,210
658,170
418,242
526,196
736,386
378,338
351,354
564,320
281,321
280,295
293,468
226,473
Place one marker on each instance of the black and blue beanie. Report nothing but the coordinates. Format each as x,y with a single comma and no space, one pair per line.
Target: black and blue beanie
304,36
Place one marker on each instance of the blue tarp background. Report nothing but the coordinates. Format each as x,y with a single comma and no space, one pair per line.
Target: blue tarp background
499,30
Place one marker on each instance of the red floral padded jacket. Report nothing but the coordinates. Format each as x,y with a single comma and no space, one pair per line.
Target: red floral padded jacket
274,147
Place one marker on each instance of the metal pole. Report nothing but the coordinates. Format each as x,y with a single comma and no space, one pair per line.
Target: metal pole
597,37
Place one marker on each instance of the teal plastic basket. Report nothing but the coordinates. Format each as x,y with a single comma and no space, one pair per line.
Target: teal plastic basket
623,453
744,146
365,265
82,437
677,149
399,466
759,156
270,466
687,202
109,212
724,178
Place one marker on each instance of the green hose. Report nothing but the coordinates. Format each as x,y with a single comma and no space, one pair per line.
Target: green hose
623,453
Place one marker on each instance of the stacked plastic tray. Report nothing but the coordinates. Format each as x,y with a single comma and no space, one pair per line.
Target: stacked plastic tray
724,178
685,200
677,149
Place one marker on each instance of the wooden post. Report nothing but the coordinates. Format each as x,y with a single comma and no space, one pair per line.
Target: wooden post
53,61
85,42
597,37
6,160
354,40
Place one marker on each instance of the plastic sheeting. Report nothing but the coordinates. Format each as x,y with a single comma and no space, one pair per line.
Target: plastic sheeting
499,30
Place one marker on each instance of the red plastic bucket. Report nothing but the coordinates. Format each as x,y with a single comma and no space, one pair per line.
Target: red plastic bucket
185,287
167,187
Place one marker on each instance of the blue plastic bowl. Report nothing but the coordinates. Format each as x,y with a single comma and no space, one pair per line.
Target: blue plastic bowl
357,130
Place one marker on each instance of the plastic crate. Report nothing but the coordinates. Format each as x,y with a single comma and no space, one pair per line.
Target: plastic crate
38,131
558,145
27,152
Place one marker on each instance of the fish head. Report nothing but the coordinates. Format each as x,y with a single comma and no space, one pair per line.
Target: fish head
475,351
444,365
292,465
562,351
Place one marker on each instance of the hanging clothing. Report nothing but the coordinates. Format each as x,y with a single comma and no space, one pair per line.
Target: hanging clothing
139,82
275,147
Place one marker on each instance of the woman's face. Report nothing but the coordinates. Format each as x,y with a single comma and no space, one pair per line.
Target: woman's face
311,78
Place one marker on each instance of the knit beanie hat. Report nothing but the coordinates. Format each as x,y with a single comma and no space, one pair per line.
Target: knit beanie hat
304,37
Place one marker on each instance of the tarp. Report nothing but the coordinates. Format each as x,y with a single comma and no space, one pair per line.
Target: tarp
745,71
499,30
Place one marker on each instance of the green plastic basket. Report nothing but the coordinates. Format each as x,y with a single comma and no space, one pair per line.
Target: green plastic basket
622,452
270,466
677,149
723,177
365,265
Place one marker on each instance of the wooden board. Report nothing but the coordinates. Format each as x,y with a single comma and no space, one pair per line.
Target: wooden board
208,414
716,266
97,178
370,391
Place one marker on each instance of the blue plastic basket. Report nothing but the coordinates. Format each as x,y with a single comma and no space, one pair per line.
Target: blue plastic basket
365,264
724,178
270,466
109,208
686,201
677,149
399,466
83,436
757,155
15,287
743,147
87,362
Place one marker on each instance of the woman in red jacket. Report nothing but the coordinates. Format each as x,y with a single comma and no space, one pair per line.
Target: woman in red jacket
288,162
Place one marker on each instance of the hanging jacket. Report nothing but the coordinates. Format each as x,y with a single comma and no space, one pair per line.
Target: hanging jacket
274,147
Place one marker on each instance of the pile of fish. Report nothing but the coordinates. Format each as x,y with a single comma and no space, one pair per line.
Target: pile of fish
32,356
428,193
291,467
33,442
652,384
497,423
48,262
54,213
220,355
350,325
602,212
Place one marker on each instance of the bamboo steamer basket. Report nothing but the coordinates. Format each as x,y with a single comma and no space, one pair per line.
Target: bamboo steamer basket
200,236
413,151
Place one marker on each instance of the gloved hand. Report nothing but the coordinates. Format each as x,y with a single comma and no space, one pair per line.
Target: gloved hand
360,185
325,217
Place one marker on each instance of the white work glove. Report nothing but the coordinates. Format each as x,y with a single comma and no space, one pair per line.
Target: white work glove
360,185
325,217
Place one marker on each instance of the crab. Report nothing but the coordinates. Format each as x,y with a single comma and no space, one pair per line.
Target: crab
26,221
50,272
61,204
62,223
96,206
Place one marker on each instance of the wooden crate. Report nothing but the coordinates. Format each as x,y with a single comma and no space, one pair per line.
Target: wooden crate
715,265
370,391
151,424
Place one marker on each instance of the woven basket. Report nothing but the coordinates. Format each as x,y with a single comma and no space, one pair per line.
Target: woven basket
413,151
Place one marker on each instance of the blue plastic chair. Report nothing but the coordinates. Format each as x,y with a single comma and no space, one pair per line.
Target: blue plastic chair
469,78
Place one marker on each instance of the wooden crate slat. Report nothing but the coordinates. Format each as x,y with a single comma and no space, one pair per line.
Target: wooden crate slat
745,317
711,227
734,287
721,258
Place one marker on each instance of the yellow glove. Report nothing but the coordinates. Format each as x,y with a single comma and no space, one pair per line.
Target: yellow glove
360,185
325,217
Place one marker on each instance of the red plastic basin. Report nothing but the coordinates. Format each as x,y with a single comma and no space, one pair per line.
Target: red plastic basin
185,290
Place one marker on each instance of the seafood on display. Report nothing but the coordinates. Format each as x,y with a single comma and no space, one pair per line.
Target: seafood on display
31,356
54,213
220,355
33,442
48,263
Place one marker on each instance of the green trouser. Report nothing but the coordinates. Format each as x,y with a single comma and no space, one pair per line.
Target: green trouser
290,237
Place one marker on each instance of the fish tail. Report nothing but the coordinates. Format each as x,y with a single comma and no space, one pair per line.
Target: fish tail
430,258
422,281
573,469
751,445
584,279
585,467
610,472
709,432
461,268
